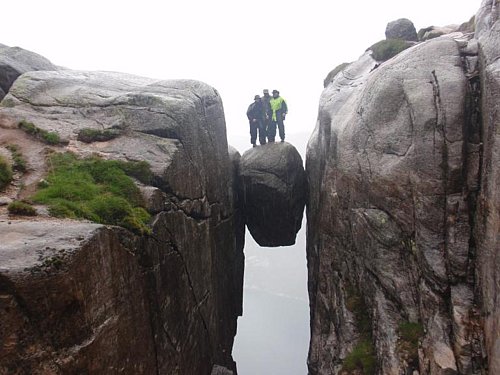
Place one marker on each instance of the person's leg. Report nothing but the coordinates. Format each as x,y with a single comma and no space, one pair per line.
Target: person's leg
253,132
281,128
271,131
262,133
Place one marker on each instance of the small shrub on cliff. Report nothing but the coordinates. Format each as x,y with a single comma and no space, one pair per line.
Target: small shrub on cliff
50,138
17,158
94,189
388,48
409,336
361,360
89,135
5,173
21,208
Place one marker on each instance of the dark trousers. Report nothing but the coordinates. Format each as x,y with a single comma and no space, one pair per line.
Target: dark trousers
257,127
271,129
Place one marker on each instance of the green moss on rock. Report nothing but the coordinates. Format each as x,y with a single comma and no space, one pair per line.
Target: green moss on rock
89,135
51,138
5,173
388,48
21,208
94,189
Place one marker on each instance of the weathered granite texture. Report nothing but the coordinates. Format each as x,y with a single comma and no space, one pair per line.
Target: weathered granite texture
397,176
274,189
83,298
15,61
487,231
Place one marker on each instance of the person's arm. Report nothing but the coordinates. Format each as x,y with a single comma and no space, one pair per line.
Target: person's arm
249,112
284,109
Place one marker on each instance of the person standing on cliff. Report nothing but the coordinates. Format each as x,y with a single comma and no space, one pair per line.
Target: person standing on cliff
255,114
279,109
266,98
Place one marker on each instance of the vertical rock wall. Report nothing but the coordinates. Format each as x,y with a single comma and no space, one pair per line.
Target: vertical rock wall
488,205
399,268
165,303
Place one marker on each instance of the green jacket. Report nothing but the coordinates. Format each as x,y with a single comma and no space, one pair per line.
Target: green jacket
278,107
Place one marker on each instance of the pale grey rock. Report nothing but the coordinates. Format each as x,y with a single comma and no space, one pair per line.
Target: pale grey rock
401,28
154,198
15,61
432,32
274,188
5,201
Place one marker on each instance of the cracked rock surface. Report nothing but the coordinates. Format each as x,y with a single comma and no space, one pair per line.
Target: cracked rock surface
396,168
76,297
274,189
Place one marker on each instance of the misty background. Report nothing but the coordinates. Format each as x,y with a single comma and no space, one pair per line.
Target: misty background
240,48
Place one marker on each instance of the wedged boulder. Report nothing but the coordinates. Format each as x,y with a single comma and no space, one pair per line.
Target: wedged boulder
401,28
161,303
15,61
274,188
393,168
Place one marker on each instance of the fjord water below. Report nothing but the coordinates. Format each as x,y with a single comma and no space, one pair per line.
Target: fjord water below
273,333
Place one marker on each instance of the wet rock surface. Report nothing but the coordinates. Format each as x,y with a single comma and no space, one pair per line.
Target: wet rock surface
273,190
394,171
84,298
15,61
488,205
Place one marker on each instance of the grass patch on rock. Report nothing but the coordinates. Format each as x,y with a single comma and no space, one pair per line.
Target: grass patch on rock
388,48
21,208
95,189
50,138
5,173
89,135
17,157
361,360
409,337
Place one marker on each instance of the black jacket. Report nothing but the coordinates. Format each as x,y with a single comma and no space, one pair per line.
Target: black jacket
255,111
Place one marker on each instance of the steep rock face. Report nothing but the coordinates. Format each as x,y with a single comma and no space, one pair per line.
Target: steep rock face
488,209
274,186
393,167
15,61
172,298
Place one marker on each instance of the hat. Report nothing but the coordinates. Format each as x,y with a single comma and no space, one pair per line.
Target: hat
256,97
265,91
276,91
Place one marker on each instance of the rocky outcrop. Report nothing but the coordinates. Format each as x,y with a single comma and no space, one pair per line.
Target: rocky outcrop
397,180
15,61
402,28
273,185
487,215
85,298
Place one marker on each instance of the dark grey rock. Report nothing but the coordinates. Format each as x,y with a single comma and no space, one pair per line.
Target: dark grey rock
393,178
163,303
488,210
401,28
274,191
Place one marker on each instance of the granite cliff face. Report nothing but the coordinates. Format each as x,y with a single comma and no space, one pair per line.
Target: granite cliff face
78,297
403,211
